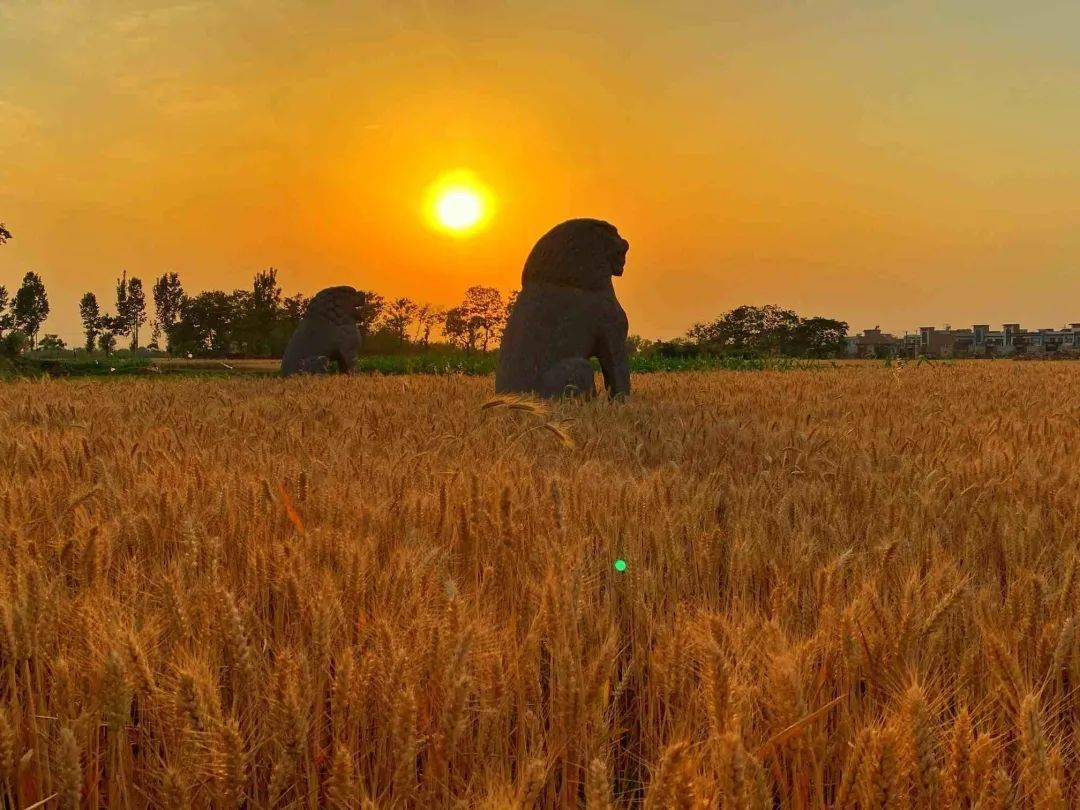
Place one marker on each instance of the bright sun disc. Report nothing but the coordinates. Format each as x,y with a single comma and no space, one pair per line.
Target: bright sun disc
458,208
458,203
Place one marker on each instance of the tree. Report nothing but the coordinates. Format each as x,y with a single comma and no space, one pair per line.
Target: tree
399,314
770,329
428,316
819,337
260,330
109,328
168,297
5,234
122,326
52,343
90,313
30,307
207,323
371,305
747,328
457,330
294,308
485,313
107,340
6,320
136,309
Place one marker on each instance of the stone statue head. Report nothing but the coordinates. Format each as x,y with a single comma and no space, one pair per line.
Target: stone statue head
338,305
582,253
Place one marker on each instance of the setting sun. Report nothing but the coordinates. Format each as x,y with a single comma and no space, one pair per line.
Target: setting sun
459,209
458,203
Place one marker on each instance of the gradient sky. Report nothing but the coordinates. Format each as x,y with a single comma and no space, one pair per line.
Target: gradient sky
893,163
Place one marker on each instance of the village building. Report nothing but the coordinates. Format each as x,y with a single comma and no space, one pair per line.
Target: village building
975,341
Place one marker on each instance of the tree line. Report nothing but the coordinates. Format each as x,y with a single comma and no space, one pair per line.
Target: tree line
258,322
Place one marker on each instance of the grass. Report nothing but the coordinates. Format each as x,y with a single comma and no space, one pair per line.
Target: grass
853,586
440,362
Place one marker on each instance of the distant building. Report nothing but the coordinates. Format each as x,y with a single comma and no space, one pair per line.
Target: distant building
977,341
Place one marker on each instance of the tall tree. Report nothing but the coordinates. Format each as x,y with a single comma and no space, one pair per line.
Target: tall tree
30,307
399,314
123,325
168,296
260,332
136,309
90,313
6,319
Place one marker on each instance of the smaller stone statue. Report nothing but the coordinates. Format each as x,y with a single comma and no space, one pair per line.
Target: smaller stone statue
327,336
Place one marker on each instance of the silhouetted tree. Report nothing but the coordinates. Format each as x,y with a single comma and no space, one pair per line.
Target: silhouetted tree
110,327
6,319
30,307
747,328
260,331
457,329
399,314
770,329
5,234
294,308
371,305
90,313
130,308
428,316
51,343
207,323
136,309
819,337
107,339
168,296
485,313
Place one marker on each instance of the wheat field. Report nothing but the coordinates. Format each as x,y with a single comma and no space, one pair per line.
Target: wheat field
848,587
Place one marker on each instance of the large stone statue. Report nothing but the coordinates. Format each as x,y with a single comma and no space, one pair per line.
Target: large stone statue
327,336
566,313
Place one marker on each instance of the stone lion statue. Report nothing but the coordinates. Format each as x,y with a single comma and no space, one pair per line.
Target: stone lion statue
567,313
327,336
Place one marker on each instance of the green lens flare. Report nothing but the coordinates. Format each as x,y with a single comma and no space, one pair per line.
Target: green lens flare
620,565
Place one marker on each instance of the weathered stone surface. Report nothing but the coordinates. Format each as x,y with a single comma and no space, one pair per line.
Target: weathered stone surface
327,337
567,313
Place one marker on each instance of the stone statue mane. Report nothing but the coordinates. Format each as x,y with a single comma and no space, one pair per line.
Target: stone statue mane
582,253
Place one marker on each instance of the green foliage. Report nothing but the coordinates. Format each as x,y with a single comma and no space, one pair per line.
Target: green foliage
769,330
477,321
51,343
399,314
13,344
6,319
168,295
90,313
30,307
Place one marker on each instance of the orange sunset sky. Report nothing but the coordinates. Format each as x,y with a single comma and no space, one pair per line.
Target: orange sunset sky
893,163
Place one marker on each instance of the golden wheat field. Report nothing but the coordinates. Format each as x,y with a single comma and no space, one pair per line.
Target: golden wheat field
849,587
